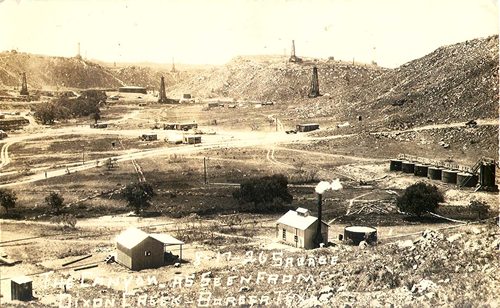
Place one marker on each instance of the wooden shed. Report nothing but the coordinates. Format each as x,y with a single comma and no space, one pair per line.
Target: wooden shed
186,126
138,250
298,228
191,139
149,137
307,127
21,288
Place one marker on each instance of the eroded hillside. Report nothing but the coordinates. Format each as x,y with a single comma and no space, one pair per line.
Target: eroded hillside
45,72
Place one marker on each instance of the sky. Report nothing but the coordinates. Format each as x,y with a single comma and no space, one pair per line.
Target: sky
391,32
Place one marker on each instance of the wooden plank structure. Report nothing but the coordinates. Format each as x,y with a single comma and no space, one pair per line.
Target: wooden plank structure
21,288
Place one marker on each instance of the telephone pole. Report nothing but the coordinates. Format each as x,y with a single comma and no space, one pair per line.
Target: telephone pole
205,170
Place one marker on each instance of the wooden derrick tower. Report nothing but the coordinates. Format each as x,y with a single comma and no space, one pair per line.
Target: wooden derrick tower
163,96
293,57
314,92
24,85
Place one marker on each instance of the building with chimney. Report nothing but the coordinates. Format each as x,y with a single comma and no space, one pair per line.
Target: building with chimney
298,229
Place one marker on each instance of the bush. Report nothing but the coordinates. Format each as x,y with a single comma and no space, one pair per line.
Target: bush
65,221
66,108
7,199
266,193
139,195
419,198
480,208
55,202
46,113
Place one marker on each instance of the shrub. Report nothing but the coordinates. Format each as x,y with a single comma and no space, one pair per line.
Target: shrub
65,221
139,195
419,198
7,199
480,208
266,193
67,108
55,202
46,113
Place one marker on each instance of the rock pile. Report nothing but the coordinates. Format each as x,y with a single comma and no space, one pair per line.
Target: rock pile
433,269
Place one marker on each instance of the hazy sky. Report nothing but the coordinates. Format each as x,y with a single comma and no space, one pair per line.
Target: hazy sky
203,31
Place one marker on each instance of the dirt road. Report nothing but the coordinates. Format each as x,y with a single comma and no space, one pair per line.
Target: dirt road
223,139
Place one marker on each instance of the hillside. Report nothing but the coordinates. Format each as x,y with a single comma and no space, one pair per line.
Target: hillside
53,72
273,78
454,83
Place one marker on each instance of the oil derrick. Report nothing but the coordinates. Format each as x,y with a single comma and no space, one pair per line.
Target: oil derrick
314,84
293,57
163,95
173,66
78,55
24,85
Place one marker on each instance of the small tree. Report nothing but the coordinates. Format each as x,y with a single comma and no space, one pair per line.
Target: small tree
139,195
45,113
55,202
7,199
265,192
419,198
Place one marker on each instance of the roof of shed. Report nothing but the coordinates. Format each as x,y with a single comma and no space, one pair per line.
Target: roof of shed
131,237
132,87
293,219
166,239
21,279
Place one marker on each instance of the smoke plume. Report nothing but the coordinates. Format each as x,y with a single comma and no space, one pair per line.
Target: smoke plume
324,186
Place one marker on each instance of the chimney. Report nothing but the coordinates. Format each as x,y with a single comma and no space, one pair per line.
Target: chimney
318,239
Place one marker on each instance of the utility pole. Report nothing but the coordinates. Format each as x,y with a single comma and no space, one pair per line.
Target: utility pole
205,170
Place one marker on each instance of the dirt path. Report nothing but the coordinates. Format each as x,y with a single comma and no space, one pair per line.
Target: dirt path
485,122
358,158
270,157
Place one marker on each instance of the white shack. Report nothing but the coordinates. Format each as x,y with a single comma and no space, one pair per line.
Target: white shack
138,250
298,228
